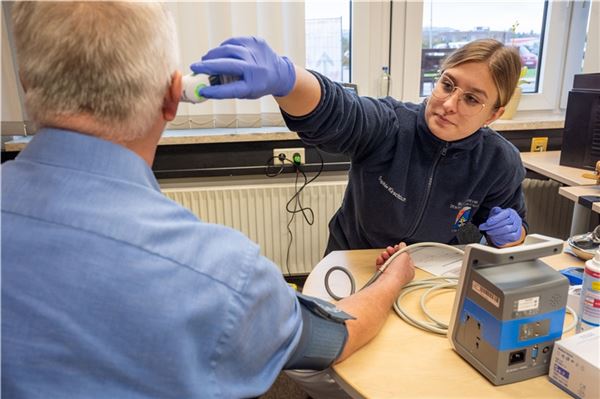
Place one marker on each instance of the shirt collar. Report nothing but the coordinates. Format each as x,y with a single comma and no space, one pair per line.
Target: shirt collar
73,150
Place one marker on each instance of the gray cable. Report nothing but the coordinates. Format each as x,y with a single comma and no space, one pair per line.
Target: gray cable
382,268
347,273
434,325
574,322
431,284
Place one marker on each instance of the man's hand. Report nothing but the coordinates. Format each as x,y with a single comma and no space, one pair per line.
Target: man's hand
503,226
260,69
402,267
385,255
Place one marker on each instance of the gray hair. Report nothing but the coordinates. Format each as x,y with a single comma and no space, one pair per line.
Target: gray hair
112,61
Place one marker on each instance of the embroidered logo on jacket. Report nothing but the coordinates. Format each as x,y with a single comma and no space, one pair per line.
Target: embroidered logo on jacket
466,209
391,190
462,217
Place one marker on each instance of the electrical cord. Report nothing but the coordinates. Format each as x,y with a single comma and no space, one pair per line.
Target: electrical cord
307,212
430,284
434,325
270,164
382,268
574,322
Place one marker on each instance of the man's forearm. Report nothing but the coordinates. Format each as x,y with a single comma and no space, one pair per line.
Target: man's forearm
371,307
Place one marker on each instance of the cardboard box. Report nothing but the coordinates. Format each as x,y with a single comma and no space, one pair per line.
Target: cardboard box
575,364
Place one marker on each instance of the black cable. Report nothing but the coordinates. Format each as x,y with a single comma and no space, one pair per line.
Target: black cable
271,163
307,212
293,215
298,204
322,164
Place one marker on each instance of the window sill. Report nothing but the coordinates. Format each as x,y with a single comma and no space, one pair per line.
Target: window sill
226,135
524,120
531,120
195,136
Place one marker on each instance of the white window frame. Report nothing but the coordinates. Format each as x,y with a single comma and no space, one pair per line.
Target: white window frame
579,28
370,41
591,62
562,54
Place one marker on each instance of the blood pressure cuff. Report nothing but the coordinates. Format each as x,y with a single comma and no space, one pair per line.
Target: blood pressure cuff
324,335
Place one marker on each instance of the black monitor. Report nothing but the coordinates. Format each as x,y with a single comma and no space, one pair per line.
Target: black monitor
581,136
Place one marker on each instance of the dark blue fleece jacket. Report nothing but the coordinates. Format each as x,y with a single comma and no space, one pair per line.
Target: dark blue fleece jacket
405,184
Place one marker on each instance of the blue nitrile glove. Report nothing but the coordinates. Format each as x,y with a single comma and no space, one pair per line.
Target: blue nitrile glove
261,71
502,226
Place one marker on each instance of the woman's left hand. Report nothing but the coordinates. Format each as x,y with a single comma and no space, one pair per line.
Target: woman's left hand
503,226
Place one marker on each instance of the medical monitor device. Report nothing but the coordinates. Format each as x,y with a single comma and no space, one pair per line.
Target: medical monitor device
509,309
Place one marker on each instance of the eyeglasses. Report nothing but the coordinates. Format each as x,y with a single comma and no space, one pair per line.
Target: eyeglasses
469,104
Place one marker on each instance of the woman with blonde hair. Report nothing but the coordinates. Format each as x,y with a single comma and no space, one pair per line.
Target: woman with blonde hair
419,172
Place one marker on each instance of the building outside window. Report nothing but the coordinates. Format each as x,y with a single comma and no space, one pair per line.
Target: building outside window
450,25
328,49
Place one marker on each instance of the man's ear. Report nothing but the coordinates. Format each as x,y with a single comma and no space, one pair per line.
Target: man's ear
172,97
495,115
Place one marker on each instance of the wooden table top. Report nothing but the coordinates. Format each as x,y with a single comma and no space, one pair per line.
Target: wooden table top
403,361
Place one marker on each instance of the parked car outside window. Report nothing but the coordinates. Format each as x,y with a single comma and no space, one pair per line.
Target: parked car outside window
528,59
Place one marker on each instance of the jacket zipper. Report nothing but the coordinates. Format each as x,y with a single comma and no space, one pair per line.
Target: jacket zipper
429,184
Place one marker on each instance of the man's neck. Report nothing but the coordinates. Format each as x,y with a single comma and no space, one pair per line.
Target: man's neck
145,147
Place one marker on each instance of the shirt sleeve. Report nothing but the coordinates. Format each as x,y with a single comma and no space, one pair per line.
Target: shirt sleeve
262,325
267,329
346,123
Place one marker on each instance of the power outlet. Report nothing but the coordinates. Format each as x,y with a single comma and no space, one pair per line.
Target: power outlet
289,154
539,144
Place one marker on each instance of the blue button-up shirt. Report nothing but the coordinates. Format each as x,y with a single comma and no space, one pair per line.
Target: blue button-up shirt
111,290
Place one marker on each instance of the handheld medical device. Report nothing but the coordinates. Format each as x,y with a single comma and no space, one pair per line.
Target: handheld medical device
509,309
192,84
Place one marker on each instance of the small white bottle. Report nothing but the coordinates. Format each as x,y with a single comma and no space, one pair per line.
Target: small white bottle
385,82
589,303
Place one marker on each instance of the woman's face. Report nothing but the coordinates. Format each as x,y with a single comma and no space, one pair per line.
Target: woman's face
450,121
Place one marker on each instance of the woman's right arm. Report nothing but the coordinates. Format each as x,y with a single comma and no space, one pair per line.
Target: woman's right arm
323,113
305,95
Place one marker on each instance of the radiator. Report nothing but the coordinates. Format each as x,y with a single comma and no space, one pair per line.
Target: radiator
548,212
259,212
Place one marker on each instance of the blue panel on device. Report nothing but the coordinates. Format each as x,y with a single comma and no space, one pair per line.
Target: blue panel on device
509,309
513,334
